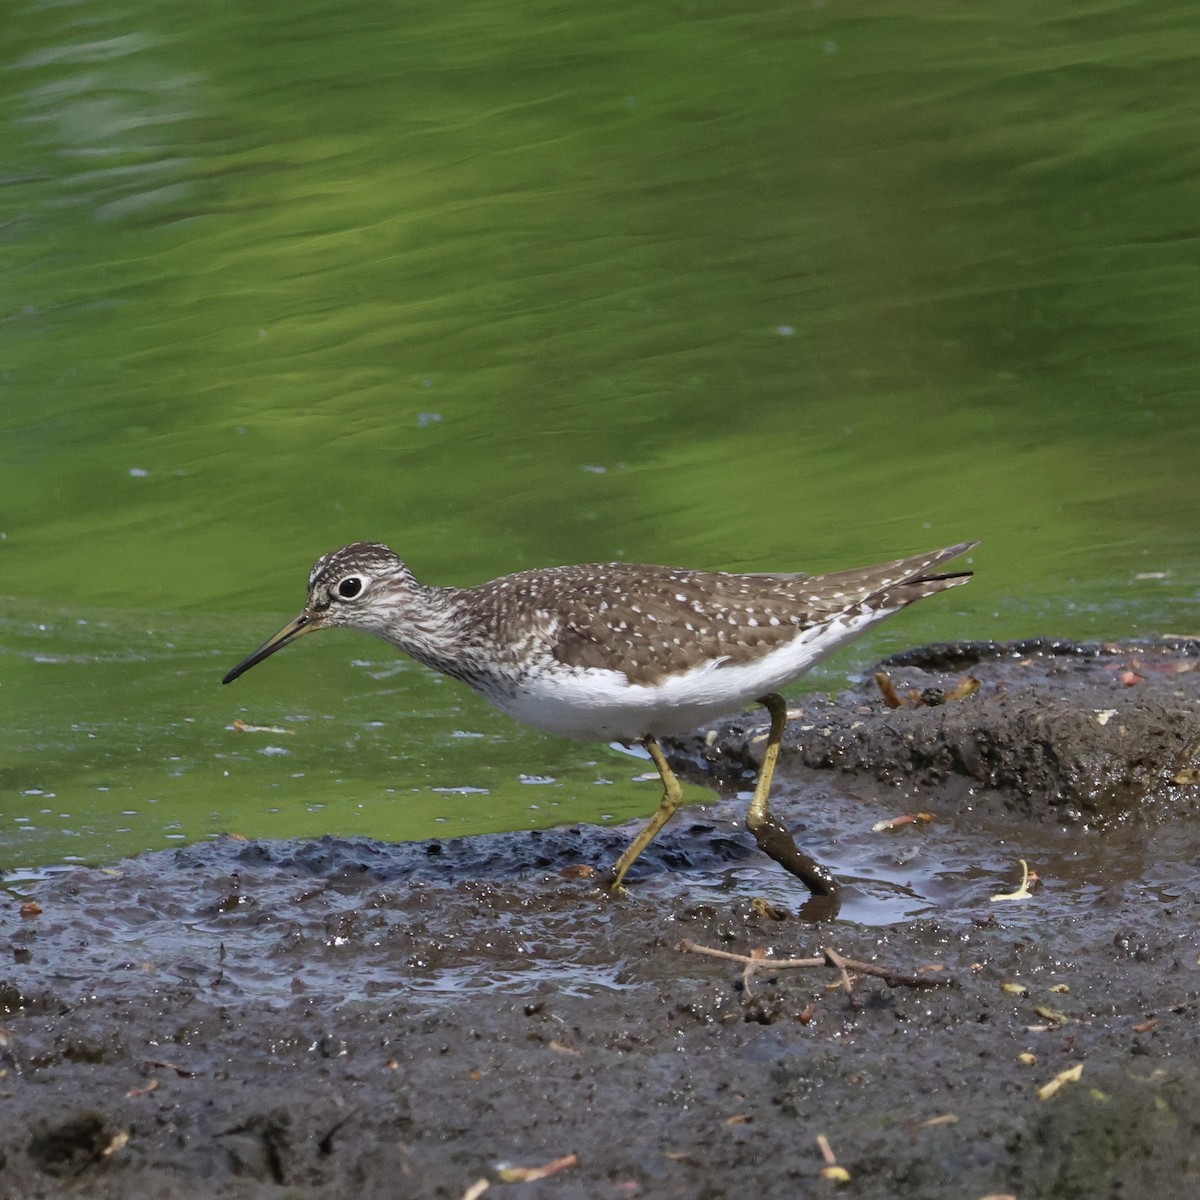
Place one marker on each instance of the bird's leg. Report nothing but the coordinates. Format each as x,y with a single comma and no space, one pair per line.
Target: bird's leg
672,797
772,837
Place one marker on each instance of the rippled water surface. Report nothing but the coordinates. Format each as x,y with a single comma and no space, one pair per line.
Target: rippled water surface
741,287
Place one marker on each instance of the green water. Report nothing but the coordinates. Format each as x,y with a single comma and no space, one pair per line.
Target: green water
734,286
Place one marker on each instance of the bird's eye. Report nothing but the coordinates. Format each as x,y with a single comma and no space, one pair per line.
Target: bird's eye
349,587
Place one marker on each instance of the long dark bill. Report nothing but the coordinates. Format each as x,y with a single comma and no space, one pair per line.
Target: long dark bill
289,633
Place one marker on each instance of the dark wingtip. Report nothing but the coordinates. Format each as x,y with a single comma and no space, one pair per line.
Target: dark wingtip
948,555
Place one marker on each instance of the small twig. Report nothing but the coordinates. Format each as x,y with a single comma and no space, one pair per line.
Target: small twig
831,1170
1071,1075
754,963
690,947
1023,892
887,689
836,960
968,685
531,1174
182,1072
757,956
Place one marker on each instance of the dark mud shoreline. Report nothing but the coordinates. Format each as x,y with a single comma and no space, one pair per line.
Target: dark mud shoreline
348,1018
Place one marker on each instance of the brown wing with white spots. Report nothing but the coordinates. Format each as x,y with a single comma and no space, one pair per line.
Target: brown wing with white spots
652,622
663,621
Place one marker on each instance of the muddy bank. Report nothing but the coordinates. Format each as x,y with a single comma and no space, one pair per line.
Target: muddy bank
1056,731
312,1019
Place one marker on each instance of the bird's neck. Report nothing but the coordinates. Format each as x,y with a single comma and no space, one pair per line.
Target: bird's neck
428,625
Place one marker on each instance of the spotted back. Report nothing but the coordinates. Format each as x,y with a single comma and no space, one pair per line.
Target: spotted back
652,622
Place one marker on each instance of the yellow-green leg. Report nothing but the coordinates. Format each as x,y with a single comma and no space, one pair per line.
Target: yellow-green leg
760,809
672,798
772,836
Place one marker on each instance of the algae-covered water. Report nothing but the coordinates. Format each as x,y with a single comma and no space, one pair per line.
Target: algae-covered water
505,285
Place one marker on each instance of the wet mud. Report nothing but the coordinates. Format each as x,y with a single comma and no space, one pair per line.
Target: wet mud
345,1017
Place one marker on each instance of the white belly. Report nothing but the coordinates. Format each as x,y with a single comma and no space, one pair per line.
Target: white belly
592,704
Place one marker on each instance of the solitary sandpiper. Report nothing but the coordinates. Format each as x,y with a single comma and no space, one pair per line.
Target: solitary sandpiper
619,652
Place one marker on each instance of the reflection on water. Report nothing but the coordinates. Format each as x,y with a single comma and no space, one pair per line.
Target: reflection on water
767,289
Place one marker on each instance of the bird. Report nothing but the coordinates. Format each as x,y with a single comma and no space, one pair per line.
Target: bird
623,652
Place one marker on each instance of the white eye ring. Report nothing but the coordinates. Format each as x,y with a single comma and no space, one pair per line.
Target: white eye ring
350,587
